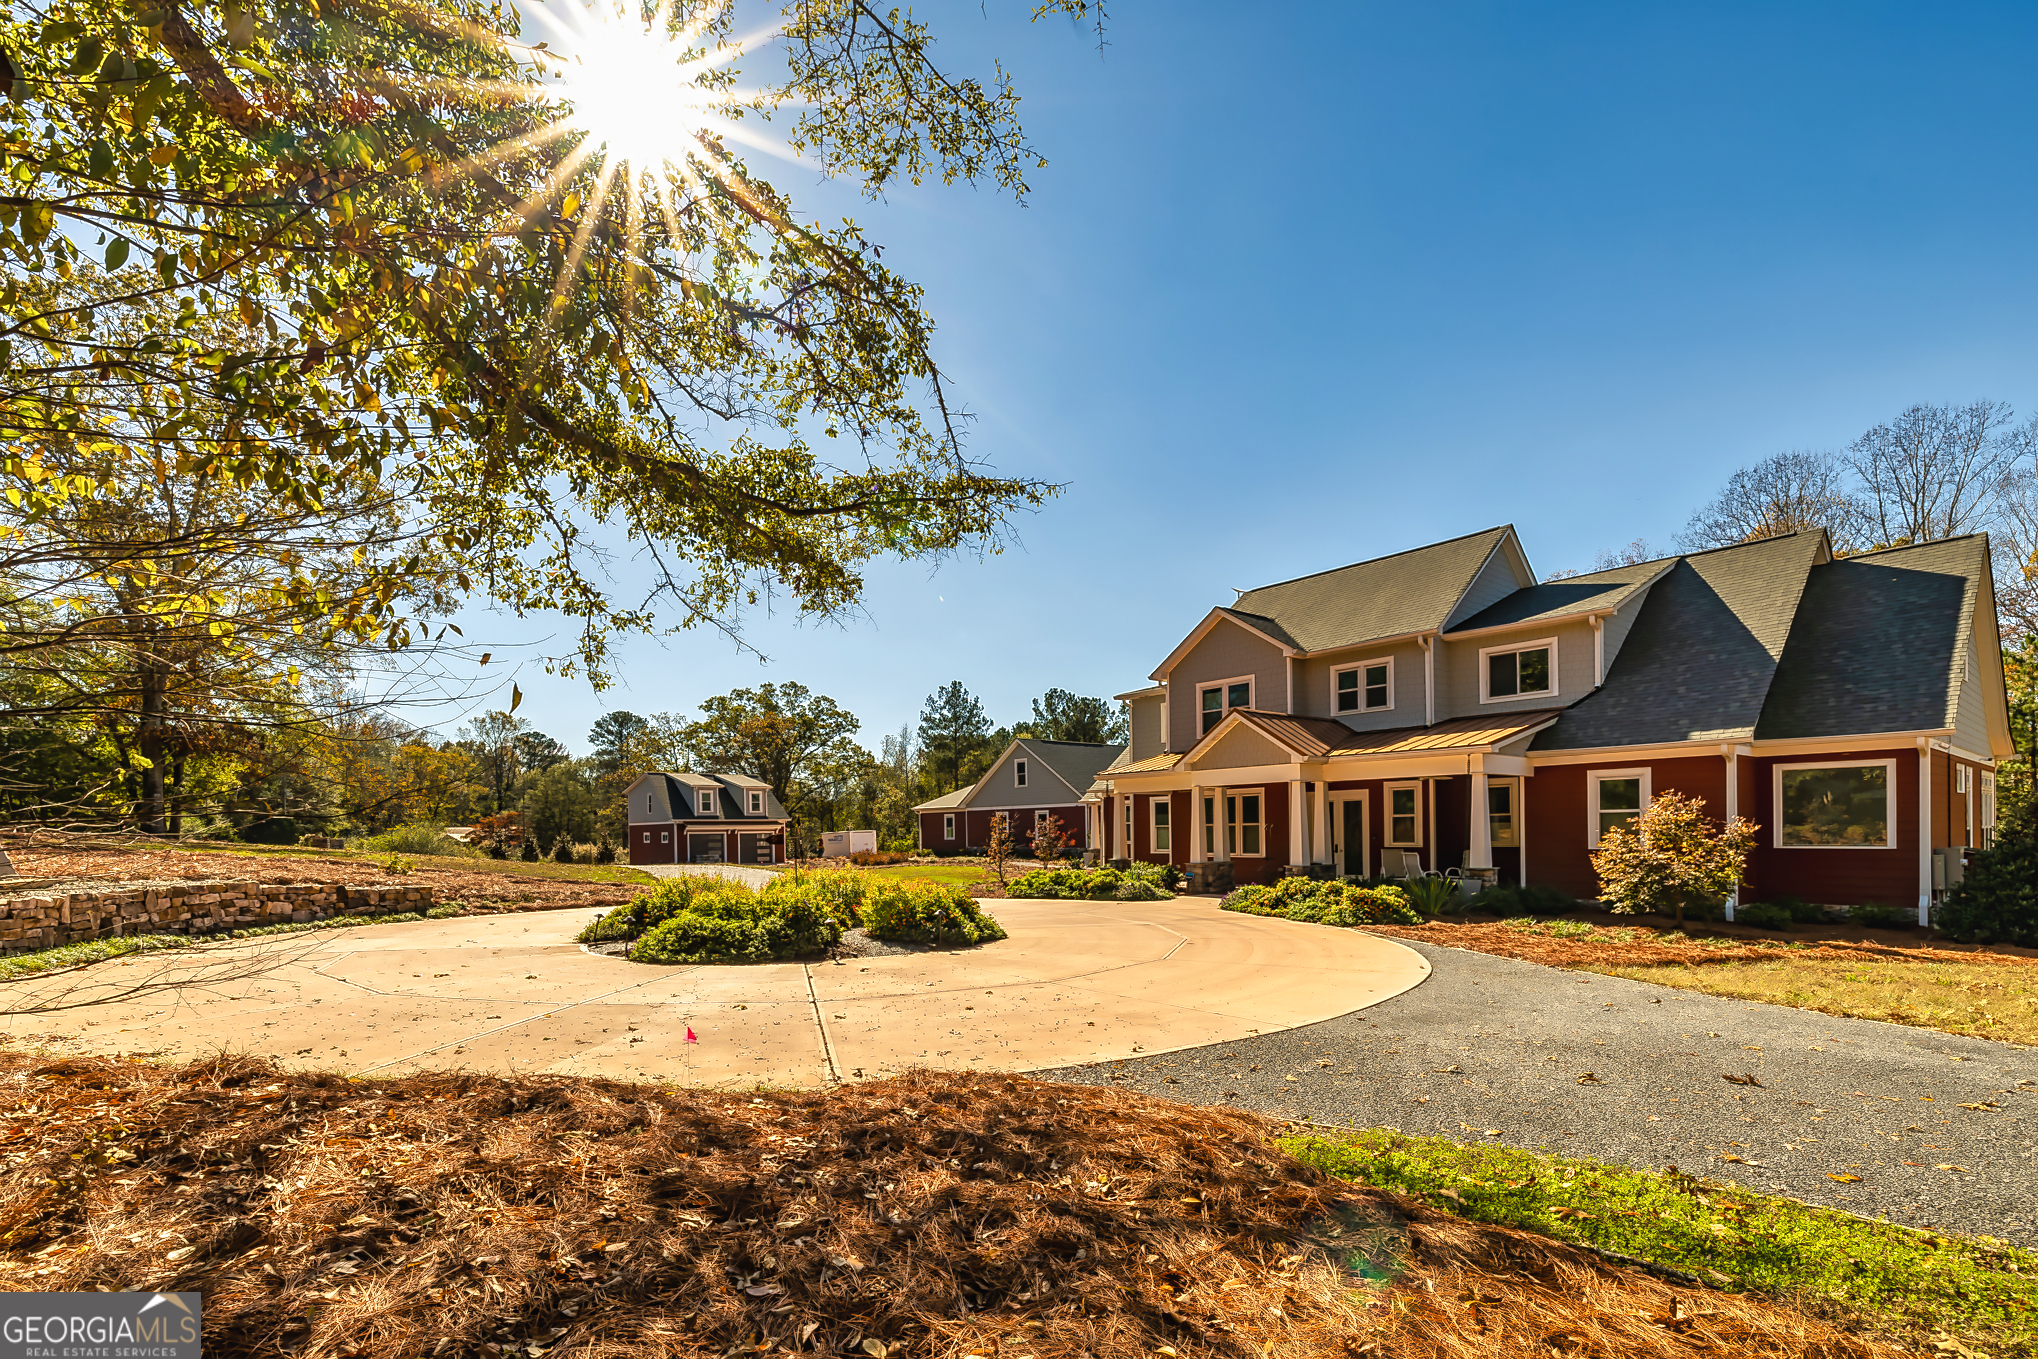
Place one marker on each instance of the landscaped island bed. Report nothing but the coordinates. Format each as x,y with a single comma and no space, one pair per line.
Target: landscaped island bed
934,1215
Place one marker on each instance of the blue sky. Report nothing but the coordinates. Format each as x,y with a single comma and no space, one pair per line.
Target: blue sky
1355,276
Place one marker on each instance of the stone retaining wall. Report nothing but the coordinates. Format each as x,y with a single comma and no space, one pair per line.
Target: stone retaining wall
48,919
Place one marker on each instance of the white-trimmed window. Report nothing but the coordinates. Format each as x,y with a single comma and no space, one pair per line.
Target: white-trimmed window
1221,697
1019,772
1364,688
665,837
1162,842
705,800
1039,819
1503,813
1613,797
1987,820
948,825
1836,806
1244,823
1519,670
1404,814
1125,845
1210,826
756,803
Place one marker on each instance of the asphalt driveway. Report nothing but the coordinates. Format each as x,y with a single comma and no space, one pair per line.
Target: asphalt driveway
1625,1071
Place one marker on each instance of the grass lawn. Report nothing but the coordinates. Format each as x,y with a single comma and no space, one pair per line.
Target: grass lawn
456,863
1980,1000
1916,1286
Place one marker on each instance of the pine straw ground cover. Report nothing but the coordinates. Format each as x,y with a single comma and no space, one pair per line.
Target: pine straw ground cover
1978,993
481,883
937,1215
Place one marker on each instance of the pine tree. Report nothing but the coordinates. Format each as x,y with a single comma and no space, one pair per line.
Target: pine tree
1998,901
952,727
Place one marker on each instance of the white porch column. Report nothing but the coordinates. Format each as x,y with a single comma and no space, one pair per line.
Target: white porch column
1298,823
1325,832
1481,853
1924,830
1195,824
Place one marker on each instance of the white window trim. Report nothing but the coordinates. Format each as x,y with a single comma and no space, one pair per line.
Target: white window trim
1223,687
1485,675
1592,781
1241,794
1387,811
1360,668
1514,784
756,803
1160,802
1040,817
1019,772
704,801
948,825
1890,820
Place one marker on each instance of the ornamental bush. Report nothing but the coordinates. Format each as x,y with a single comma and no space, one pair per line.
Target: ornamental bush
1139,882
1670,857
1997,903
671,897
1342,904
837,893
733,929
913,911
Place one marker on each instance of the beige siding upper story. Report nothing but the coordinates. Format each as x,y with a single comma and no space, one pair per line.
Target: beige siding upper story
1242,748
1970,720
1000,790
1314,685
648,802
1496,581
1458,668
1145,719
1228,652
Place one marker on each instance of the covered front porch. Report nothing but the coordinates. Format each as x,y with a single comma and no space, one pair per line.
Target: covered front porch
1270,794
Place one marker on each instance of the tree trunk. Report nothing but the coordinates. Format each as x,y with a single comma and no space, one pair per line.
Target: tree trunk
177,794
149,744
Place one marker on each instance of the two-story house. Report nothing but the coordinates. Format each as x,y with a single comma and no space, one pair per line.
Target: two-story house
1443,702
684,818
1031,782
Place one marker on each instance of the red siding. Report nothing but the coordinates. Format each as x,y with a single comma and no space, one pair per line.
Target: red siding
1838,877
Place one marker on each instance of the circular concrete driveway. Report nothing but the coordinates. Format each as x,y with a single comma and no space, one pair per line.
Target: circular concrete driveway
1076,982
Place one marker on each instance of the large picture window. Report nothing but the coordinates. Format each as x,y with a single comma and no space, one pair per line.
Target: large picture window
1518,671
1835,806
1243,827
1404,814
1366,687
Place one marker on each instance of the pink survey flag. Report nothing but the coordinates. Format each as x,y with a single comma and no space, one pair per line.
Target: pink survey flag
689,1035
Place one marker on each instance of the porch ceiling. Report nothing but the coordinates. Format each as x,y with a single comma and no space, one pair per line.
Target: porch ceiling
1314,738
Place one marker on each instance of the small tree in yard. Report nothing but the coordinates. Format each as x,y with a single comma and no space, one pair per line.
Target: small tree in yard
1050,838
1997,903
1671,856
999,847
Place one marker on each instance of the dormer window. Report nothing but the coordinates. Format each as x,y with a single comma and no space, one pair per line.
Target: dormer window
706,802
1518,671
1019,772
756,803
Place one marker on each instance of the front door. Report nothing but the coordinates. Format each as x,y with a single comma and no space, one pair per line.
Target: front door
1348,835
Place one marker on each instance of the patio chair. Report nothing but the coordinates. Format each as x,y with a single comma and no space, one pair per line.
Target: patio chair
1411,866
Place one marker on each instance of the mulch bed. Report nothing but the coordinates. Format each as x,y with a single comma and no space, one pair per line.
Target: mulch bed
111,866
1645,946
937,1215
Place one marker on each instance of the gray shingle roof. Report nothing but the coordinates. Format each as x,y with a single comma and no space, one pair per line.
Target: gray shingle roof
1700,659
1076,763
1879,643
1562,598
1408,592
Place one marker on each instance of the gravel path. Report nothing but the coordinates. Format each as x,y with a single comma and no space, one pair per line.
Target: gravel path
1494,1043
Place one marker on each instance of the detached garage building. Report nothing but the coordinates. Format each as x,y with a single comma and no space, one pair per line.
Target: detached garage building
681,818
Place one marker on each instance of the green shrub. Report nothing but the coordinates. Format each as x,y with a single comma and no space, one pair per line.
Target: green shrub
1764,915
1997,902
1138,882
1324,903
921,912
420,837
837,893
1435,896
739,926
1508,902
669,898
562,853
605,852
1876,916
530,854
